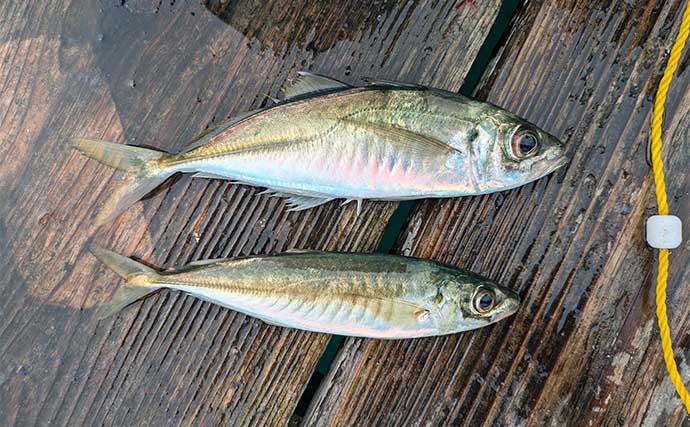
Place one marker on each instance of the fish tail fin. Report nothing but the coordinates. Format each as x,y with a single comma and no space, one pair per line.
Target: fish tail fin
132,189
135,160
119,156
139,279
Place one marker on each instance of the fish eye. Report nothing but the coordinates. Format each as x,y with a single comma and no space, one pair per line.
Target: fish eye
525,144
484,300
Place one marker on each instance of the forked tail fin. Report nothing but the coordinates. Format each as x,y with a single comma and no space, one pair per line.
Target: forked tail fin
139,281
142,179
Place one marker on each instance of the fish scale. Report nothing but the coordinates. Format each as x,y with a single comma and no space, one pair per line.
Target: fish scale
328,140
370,295
257,162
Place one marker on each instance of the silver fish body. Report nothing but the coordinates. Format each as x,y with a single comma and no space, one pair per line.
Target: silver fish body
367,295
381,142
362,143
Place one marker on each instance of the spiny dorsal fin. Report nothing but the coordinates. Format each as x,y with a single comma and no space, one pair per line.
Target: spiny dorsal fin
307,84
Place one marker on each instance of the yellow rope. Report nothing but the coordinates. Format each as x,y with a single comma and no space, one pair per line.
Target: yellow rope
658,167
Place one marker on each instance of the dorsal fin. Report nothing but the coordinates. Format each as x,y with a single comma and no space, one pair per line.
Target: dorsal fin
308,84
391,83
202,262
301,251
211,132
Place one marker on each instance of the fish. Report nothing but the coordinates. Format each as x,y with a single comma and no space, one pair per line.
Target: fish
328,140
362,295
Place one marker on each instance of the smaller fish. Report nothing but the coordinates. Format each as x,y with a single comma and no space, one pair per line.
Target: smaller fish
363,295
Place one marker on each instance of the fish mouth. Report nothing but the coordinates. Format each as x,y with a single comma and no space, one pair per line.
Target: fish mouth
550,168
559,163
510,307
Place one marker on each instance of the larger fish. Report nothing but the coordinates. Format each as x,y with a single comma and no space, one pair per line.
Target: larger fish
366,295
328,140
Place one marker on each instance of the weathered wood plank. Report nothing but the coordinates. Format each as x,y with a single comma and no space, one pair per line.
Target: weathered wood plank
584,348
156,73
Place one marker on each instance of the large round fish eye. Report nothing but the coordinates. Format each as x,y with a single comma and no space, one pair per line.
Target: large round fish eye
525,144
484,300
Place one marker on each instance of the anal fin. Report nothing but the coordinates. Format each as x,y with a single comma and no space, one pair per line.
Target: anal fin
273,193
359,204
296,202
299,203
268,322
208,175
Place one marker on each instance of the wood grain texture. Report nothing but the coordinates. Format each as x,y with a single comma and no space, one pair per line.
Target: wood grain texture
584,348
156,73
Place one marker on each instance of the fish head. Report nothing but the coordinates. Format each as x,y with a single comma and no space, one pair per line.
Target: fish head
468,301
510,152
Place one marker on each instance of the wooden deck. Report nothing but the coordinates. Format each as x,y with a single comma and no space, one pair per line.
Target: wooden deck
583,349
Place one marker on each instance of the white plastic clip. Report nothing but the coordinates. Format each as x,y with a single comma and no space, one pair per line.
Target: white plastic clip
664,231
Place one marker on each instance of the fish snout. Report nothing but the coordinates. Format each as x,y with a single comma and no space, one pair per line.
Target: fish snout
508,305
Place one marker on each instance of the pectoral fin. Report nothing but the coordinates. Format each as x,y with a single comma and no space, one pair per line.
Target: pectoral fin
413,141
